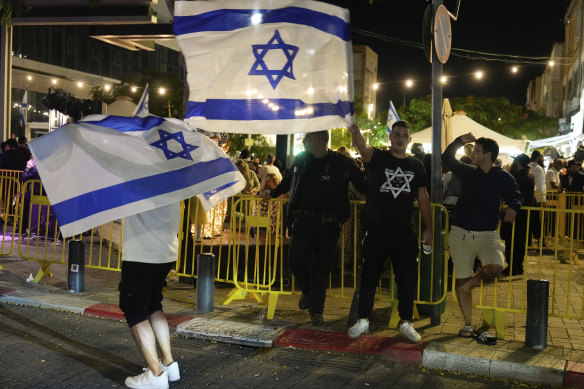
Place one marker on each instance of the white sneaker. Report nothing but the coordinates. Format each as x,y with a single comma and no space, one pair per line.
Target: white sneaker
409,332
172,371
359,328
148,380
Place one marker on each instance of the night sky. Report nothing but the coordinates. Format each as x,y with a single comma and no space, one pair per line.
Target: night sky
514,27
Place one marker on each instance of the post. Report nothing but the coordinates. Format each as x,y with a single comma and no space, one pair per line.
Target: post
436,182
205,282
76,267
536,321
5,79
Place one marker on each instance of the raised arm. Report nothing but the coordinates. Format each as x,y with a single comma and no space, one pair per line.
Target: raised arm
365,150
449,155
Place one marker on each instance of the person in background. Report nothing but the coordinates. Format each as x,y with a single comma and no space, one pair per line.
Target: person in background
536,165
418,151
573,181
269,168
252,184
515,238
552,176
394,180
256,167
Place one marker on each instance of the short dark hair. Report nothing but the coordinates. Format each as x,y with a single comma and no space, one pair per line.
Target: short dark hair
12,143
322,135
269,159
22,140
401,123
489,146
536,155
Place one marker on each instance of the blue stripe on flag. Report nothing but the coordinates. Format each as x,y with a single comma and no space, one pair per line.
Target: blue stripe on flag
254,109
233,19
104,199
211,193
129,124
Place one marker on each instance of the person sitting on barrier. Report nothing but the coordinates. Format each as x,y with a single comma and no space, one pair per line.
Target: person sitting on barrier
515,236
474,229
394,180
573,181
149,252
318,182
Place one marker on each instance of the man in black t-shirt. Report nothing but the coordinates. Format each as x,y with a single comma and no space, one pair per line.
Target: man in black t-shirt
394,180
318,182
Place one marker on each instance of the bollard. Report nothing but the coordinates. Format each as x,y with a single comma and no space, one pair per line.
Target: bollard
537,314
76,268
205,282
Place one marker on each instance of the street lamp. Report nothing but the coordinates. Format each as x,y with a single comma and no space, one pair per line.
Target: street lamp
408,84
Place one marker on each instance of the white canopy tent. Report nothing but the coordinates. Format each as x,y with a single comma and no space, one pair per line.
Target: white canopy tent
462,124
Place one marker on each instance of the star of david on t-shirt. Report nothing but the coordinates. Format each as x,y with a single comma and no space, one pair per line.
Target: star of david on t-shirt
398,181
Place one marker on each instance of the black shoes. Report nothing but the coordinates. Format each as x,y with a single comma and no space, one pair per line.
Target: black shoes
303,302
317,319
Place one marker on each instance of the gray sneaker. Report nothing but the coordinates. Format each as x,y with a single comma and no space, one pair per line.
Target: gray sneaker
409,332
148,380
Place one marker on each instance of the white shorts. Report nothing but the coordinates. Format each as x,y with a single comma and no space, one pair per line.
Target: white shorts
465,246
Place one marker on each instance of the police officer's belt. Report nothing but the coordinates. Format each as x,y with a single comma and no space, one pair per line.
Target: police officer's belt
325,217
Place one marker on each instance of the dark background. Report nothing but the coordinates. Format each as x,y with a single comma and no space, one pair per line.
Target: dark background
522,28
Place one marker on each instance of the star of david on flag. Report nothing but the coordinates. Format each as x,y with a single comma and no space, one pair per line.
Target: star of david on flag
264,66
398,181
119,166
259,68
162,144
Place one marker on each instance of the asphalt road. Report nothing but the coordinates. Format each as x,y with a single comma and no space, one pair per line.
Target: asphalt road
42,348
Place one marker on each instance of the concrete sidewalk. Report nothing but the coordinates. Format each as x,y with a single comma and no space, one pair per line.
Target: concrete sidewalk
243,322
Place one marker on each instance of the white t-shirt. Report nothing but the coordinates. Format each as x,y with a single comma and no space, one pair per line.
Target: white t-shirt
151,237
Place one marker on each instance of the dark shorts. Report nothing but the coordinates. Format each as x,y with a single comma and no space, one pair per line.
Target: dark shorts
141,289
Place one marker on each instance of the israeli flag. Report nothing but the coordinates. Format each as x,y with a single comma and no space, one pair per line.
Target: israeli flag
24,108
141,109
264,66
392,116
105,168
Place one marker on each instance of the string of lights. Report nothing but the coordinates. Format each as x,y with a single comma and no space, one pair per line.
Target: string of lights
470,54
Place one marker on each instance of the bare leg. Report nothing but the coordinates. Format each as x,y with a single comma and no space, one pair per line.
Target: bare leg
146,342
160,327
464,287
465,298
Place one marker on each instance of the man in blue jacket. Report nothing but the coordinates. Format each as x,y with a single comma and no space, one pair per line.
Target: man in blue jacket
318,182
474,229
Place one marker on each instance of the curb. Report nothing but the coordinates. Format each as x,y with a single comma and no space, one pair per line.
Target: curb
426,355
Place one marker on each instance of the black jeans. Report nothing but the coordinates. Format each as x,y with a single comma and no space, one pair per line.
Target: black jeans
311,238
519,238
401,245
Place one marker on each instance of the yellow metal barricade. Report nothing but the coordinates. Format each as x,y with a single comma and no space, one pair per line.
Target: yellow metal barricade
9,204
554,258
204,232
256,245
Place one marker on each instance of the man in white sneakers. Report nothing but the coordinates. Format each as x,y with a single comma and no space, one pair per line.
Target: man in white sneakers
394,179
149,251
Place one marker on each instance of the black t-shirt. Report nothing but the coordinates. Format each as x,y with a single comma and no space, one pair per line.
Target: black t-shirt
392,188
316,191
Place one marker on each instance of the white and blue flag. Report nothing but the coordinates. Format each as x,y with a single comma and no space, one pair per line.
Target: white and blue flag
24,108
392,116
105,168
264,66
141,109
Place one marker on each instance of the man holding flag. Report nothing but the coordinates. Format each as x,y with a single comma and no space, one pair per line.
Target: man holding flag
141,167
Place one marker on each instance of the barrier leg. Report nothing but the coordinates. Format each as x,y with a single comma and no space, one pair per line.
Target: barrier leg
495,318
235,294
76,267
537,314
272,301
205,282
44,269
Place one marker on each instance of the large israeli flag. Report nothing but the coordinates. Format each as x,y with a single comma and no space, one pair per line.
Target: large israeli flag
266,66
108,167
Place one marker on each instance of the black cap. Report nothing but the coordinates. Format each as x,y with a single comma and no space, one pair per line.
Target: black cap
522,159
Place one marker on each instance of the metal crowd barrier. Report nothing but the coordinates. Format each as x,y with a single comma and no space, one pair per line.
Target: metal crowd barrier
9,196
557,241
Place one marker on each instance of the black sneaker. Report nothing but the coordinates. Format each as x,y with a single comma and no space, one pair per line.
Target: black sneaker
304,302
317,319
